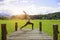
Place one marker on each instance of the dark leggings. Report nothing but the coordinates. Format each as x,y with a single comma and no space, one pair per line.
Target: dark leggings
27,24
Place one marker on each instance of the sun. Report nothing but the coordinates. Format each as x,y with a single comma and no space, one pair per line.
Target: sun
17,12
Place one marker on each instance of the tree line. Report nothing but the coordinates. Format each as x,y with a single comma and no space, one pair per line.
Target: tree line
55,15
50,16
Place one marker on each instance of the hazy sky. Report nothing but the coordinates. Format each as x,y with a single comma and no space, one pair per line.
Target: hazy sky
30,6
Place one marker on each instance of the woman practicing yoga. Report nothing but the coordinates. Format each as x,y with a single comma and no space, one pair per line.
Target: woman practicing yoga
28,22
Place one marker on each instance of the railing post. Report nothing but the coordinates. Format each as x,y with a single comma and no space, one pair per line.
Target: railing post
55,32
40,26
16,26
4,31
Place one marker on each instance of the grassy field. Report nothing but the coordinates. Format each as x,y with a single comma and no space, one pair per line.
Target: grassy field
46,24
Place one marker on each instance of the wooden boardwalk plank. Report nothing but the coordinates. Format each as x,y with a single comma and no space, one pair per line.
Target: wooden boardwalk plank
29,35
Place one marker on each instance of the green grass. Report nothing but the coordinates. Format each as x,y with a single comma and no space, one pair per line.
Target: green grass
46,24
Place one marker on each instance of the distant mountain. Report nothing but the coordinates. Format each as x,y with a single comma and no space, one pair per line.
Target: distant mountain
8,15
5,14
55,15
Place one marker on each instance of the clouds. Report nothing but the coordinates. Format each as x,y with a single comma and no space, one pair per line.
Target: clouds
1,0
58,4
25,1
17,6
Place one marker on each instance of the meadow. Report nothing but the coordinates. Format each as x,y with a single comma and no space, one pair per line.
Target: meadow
47,25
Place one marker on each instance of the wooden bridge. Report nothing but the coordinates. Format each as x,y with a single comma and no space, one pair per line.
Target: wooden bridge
29,35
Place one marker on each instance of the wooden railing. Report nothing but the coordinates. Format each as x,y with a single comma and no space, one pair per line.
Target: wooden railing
40,26
55,32
4,32
16,26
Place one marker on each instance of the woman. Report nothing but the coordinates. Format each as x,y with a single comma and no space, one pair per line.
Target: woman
28,22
